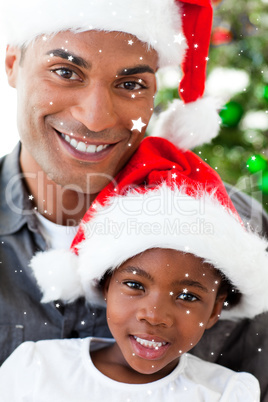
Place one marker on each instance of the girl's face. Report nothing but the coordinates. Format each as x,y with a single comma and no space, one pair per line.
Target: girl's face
159,304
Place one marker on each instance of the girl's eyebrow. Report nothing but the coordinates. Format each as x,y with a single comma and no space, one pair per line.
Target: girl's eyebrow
79,61
192,283
185,282
137,271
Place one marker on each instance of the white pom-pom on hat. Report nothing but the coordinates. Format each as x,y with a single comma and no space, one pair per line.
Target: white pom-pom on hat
181,123
56,274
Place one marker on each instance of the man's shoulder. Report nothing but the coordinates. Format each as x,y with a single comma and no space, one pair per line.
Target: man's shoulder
2,163
12,193
9,163
249,209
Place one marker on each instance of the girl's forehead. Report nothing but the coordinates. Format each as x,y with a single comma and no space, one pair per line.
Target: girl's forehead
173,262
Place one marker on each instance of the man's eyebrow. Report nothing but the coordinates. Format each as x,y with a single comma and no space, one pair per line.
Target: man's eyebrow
79,61
137,271
139,69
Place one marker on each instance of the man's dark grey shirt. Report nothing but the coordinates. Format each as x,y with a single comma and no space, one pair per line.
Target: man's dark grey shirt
22,316
241,346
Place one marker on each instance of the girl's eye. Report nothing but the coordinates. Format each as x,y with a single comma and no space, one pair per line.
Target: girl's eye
131,86
187,297
66,74
134,285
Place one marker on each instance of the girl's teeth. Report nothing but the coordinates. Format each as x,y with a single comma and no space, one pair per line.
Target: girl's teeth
149,344
82,147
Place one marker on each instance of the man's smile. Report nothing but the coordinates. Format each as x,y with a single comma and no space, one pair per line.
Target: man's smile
84,149
83,146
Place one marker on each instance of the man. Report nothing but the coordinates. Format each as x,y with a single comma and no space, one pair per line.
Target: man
85,97
85,78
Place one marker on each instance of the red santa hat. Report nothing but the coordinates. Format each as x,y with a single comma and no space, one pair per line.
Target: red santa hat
179,30
165,198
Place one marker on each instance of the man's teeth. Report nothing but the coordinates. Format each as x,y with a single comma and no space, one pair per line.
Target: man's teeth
149,344
82,147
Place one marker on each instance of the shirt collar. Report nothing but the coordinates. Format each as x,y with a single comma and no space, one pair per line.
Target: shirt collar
16,207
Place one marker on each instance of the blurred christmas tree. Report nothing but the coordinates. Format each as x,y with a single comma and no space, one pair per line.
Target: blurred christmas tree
238,73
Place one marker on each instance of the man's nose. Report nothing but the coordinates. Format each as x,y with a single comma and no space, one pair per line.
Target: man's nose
155,311
95,108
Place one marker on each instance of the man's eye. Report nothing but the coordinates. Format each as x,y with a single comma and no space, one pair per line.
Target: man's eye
187,297
67,74
134,285
131,86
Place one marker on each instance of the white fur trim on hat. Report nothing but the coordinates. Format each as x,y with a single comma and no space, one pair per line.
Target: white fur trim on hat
165,218
155,23
188,125
57,276
132,224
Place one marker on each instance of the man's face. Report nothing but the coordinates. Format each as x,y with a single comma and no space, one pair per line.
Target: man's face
77,97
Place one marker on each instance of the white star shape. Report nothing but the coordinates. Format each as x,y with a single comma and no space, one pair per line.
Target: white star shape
174,175
130,42
70,58
179,38
253,158
201,324
137,125
196,46
31,197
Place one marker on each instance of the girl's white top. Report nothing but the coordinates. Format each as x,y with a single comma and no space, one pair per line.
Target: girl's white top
62,371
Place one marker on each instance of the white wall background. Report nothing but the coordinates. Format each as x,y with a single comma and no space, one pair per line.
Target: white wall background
8,128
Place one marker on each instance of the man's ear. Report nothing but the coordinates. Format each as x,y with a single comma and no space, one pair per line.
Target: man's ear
12,61
216,312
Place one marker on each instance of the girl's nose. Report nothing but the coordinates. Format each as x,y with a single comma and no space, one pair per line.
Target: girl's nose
155,311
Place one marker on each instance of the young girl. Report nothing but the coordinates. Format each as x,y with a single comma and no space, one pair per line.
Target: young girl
165,249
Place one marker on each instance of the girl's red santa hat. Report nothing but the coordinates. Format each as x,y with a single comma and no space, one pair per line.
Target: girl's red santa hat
179,30
166,198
